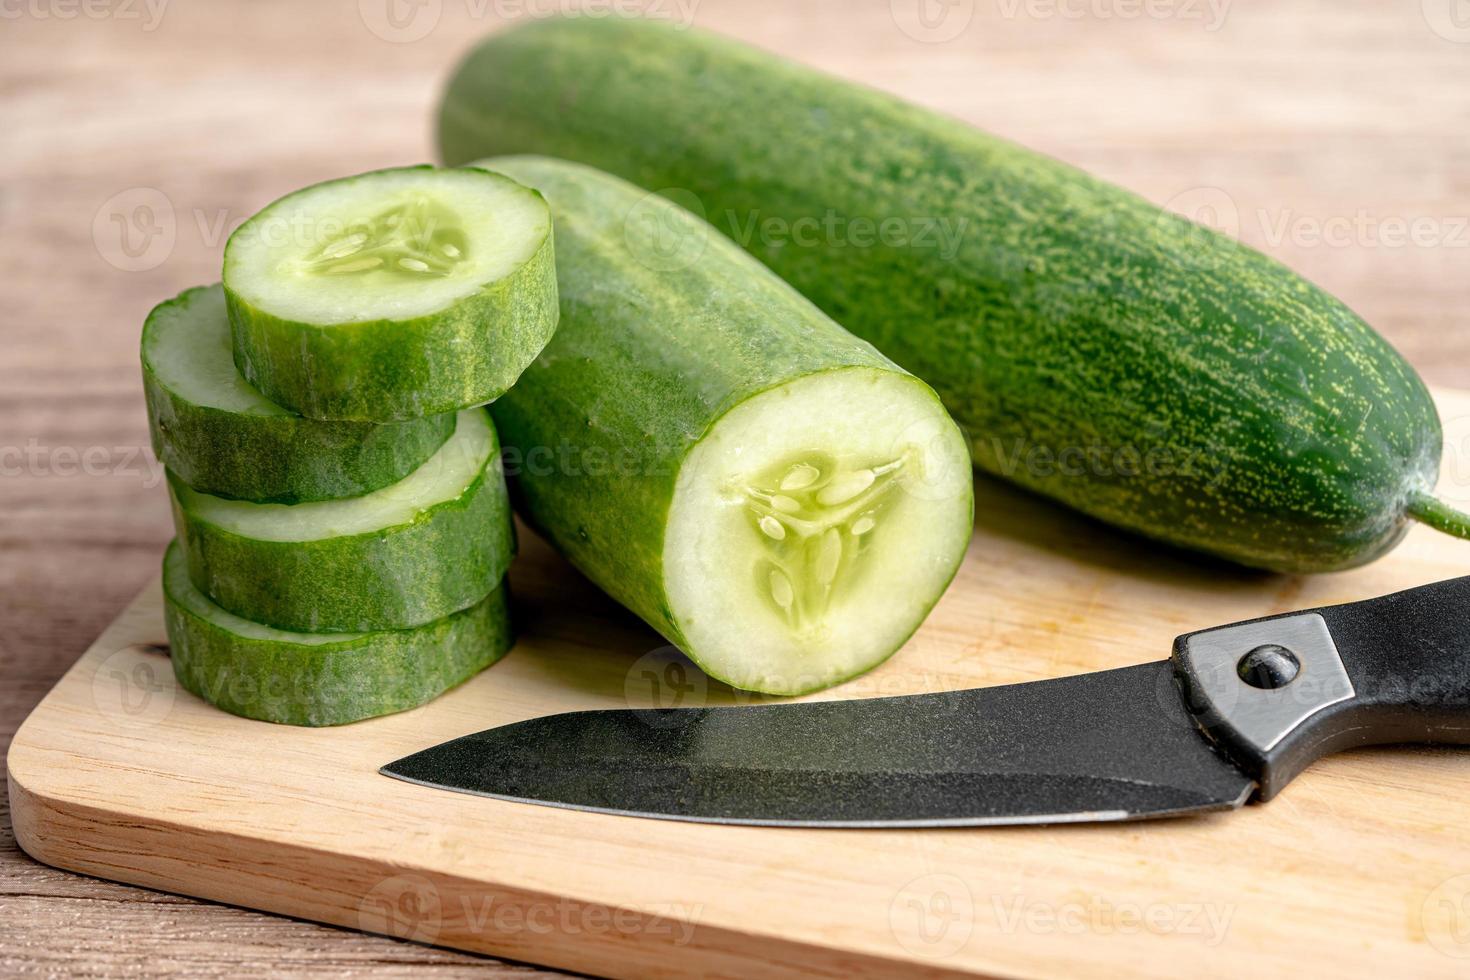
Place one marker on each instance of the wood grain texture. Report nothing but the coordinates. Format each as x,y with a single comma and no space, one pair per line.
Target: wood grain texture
1306,114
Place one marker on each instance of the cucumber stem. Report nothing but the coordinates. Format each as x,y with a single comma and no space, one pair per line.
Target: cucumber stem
1428,509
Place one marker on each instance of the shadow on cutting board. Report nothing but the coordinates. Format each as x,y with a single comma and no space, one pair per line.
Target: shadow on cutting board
1020,541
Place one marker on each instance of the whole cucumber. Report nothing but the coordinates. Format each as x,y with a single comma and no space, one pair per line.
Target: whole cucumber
1133,365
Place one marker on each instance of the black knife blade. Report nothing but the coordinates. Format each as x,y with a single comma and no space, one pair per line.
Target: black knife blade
1238,710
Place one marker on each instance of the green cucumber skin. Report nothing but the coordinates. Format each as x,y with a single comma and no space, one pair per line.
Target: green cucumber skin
626,388
1272,426
332,684
447,558
391,370
279,458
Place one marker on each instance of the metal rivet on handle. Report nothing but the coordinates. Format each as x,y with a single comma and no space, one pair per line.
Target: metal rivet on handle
1268,666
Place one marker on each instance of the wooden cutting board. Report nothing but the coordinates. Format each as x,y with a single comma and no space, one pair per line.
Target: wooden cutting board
1361,867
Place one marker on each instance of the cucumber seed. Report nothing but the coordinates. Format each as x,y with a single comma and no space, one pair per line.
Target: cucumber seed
781,589
344,247
799,477
361,265
845,487
829,554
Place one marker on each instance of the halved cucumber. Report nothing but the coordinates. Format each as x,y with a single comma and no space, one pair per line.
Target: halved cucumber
221,436
322,678
394,294
431,544
766,490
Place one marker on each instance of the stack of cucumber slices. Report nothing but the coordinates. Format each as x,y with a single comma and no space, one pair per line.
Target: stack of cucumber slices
343,526
766,490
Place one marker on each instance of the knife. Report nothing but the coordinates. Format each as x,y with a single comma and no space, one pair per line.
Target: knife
1234,714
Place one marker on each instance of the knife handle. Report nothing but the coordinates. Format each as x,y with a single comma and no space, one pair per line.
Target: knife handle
1279,693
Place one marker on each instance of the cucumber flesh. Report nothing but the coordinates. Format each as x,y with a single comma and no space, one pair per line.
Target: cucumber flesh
821,516
294,678
222,436
429,545
189,352
393,294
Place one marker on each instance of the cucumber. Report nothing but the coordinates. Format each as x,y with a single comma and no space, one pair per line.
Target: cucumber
392,295
431,544
1116,358
764,489
221,436
322,678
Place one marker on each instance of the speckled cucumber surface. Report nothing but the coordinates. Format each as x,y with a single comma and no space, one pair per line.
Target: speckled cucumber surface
768,491
221,436
1098,350
392,295
322,678
431,544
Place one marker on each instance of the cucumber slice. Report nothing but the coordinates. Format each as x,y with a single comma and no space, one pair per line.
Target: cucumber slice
431,544
322,678
221,436
766,490
394,294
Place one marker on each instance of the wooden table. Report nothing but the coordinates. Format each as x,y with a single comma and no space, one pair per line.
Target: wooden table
1335,136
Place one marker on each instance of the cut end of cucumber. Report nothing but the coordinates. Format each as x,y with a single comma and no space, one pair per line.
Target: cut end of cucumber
387,245
826,516
444,476
186,344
